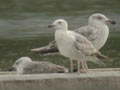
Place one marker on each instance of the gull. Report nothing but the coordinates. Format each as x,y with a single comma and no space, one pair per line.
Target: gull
96,32
73,45
25,65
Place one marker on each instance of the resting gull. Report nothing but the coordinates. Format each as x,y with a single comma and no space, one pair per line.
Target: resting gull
73,45
25,65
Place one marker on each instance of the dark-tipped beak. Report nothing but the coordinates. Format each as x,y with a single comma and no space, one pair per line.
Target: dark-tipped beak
11,69
50,26
111,22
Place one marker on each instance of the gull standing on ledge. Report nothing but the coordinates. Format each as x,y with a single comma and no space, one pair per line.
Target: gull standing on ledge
71,44
25,65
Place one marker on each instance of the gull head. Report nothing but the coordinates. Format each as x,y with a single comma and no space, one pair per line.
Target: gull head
100,19
20,63
59,24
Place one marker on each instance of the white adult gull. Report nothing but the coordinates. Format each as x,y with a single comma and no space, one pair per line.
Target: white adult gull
72,45
25,65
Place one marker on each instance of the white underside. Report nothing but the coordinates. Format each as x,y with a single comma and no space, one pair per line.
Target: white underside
65,43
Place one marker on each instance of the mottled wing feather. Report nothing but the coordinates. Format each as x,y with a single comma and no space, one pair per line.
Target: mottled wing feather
43,67
83,31
33,68
88,32
84,45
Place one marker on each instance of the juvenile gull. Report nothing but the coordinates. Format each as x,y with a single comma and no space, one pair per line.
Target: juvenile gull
72,45
25,65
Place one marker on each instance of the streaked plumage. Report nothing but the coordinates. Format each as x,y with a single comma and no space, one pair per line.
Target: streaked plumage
25,65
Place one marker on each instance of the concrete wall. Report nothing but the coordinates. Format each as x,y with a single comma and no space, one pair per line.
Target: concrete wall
102,80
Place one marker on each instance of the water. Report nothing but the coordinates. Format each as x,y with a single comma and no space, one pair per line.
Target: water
23,26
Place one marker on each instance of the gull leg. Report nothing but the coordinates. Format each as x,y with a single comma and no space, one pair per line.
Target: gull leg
71,65
84,66
78,62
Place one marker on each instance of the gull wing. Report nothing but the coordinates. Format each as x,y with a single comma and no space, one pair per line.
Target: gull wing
88,32
86,47
43,67
83,44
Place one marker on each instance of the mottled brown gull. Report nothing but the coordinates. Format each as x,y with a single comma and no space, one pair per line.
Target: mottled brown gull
25,65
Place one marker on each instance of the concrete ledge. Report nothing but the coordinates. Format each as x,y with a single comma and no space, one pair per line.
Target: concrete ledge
102,79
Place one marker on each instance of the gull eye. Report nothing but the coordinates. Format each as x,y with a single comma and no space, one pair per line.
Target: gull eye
17,63
59,22
99,17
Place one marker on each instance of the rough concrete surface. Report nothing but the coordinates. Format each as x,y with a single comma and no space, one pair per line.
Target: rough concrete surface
102,79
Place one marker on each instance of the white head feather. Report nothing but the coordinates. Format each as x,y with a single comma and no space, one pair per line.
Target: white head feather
59,24
21,63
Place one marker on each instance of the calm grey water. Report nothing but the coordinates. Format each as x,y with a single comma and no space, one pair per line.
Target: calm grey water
23,26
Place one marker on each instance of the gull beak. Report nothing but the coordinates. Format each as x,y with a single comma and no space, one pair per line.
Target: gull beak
11,69
51,25
111,22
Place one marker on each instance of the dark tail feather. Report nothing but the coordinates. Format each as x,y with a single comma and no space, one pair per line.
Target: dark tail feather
44,50
103,57
51,48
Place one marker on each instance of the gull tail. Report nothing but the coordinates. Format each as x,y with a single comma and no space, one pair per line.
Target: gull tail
44,50
102,57
49,49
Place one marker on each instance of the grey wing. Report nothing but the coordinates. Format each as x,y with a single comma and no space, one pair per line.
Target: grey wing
53,68
83,31
88,32
84,45
33,68
43,67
